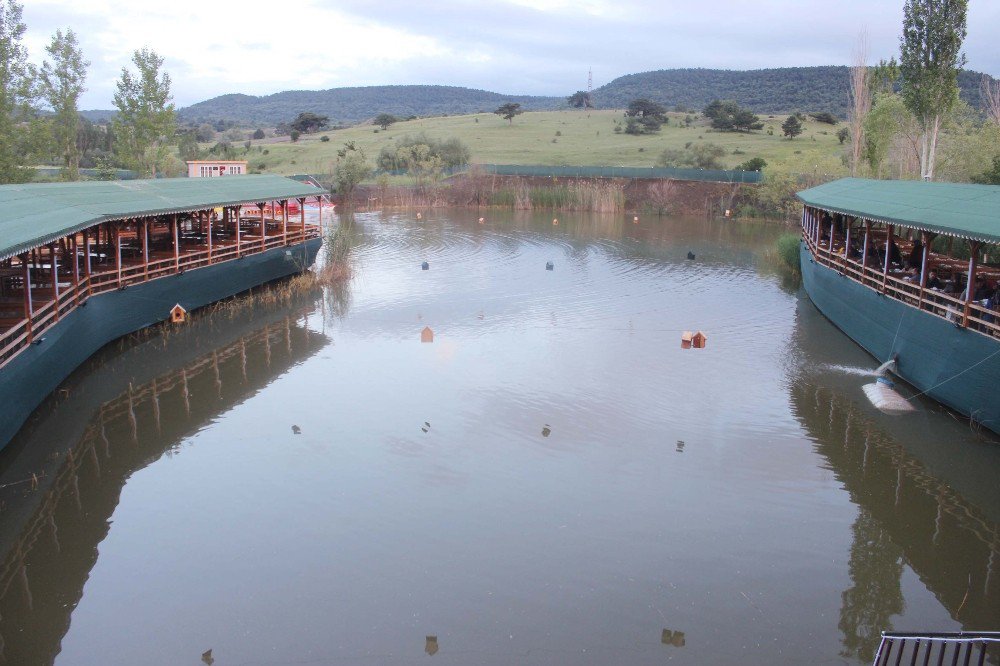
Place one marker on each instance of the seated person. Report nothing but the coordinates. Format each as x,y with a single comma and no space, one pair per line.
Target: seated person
982,290
894,256
916,256
912,274
933,281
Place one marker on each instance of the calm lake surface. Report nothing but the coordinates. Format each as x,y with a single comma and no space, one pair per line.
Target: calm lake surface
552,480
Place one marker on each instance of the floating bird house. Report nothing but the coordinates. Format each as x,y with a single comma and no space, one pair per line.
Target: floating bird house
698,340
425,266
178,314
431,645
686,337
549,265
427,335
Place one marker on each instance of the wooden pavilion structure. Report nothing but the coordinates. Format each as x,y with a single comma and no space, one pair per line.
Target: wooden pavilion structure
63,243
934,246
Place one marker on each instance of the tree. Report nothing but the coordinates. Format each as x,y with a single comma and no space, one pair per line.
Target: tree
989,91
187,146
61,87
866,83
308,122
384,120
350,169
146,116
931,55
295,134
16,78
991,176
580,99
824,117
644,108
791,127
753,164
843,134
728,116
508,111
258,134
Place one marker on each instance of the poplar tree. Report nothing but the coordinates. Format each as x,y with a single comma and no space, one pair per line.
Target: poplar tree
931,45
16,91
146,119
61,86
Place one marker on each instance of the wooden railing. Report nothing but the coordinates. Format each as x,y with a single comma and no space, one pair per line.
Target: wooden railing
971,315
43,317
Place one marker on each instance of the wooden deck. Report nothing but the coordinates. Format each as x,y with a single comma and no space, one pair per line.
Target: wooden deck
87,266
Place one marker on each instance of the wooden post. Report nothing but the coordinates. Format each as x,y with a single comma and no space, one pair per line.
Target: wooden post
29,311
86,256
864,250
885,263
284,222
237,211
145,248
118,253
970,282
177,243
925,240
76,270
208,218
263,227
54,269
319,203
302,218
847,239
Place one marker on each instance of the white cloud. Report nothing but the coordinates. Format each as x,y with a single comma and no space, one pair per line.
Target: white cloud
511,46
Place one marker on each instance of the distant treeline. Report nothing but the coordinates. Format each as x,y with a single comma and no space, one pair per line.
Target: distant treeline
782,90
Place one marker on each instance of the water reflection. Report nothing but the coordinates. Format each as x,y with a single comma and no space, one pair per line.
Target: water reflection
926,494
83,452
580,486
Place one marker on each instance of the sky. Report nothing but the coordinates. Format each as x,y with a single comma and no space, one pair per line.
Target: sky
527,47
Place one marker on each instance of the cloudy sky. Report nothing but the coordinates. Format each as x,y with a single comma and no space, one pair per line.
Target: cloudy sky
539,47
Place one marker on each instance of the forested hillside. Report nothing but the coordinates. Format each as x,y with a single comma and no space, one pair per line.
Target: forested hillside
762,90
351,105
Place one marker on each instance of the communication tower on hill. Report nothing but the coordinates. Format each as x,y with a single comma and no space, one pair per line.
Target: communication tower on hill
590,80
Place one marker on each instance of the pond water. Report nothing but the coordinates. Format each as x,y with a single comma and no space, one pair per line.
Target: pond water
552,480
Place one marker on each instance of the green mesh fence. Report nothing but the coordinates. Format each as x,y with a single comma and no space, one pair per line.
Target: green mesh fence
708,175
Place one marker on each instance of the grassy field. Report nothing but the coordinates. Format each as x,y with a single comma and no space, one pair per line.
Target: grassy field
570,137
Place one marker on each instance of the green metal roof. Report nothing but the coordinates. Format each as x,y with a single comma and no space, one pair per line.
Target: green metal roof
953,209
38,213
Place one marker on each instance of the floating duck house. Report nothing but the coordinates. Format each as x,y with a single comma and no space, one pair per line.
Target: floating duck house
84,263
909,270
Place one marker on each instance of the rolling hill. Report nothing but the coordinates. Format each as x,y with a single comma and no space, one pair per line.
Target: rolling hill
779,90
351,105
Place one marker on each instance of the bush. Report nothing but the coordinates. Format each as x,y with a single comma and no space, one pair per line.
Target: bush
788,250
753,164
324,138
451,152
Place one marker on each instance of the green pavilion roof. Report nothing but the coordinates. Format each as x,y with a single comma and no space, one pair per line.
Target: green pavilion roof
34,214
953,209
